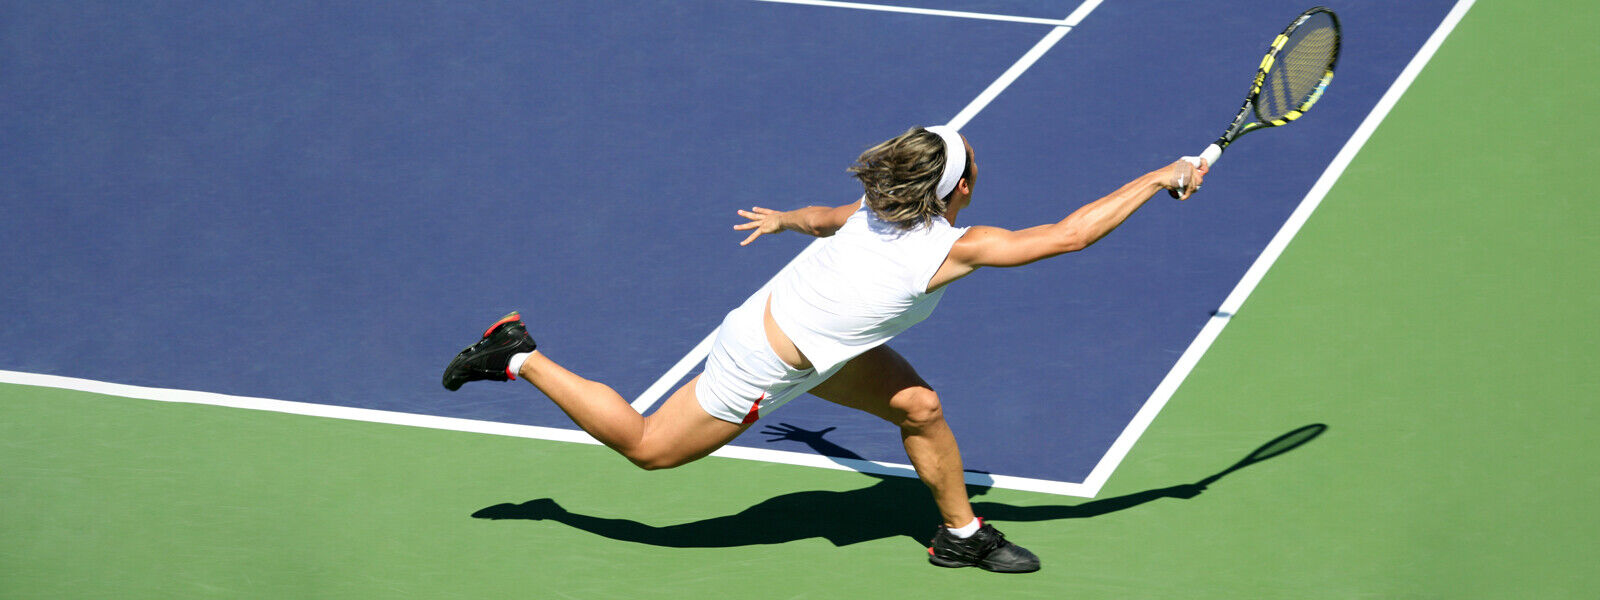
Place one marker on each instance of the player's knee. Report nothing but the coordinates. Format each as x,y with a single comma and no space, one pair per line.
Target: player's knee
920,408
654,460
651,463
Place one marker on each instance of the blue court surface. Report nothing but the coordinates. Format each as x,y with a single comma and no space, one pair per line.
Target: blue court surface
323,202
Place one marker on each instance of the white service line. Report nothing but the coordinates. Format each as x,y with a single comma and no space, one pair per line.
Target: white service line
662,386
1028,58
1230,306
920,11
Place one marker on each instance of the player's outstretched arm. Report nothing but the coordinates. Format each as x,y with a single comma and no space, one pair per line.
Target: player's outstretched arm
819,221
997,247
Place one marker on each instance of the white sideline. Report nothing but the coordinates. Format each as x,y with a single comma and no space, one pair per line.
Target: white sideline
1119,449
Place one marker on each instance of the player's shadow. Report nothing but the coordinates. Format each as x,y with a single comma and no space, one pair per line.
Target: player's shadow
891,506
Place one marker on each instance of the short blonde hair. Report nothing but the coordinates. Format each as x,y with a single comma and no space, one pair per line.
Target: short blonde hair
900,177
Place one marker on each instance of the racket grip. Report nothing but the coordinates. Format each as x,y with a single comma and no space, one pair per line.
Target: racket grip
1211,154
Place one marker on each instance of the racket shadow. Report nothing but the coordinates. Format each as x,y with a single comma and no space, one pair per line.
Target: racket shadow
891,507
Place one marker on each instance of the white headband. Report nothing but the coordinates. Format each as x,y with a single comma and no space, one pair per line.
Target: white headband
955,159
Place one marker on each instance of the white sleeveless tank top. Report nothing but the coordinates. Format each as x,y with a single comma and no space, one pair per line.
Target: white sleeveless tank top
864,285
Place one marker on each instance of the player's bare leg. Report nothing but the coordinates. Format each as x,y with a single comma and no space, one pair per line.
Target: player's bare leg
883,383
678,432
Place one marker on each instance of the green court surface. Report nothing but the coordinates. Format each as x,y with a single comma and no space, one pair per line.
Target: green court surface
1437,313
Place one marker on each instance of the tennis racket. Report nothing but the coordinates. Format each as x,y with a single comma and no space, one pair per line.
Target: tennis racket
1291,78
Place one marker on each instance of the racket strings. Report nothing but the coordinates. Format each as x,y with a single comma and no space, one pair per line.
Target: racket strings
1298,70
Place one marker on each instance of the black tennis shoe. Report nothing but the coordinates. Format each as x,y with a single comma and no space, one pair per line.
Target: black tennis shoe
490,357
987,549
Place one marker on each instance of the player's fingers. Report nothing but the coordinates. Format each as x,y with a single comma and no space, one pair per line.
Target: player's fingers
753,235
1188,177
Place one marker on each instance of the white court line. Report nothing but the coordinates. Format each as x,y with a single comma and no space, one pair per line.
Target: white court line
1230,306
921,11
295,408
369,415
659,389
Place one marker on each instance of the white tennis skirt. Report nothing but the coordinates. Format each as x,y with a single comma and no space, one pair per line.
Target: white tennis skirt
744,379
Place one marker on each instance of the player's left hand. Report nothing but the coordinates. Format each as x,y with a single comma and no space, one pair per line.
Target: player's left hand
762,220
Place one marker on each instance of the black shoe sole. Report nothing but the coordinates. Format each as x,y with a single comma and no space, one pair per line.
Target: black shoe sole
950,564
457,373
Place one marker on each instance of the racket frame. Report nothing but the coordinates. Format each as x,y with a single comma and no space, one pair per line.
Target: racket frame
1242,123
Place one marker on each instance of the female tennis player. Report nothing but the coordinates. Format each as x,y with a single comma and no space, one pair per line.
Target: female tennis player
823,327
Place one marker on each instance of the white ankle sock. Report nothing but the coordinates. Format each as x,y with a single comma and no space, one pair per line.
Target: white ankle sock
967,531
515,366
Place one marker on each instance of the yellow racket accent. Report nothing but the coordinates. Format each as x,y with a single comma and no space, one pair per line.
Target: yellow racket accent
1292,76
